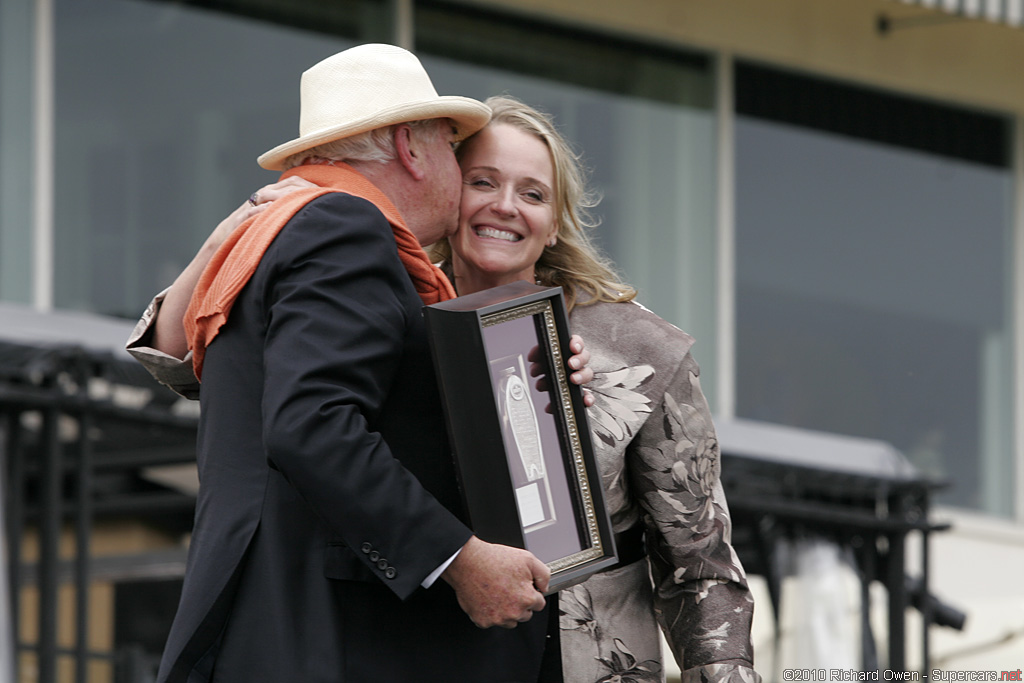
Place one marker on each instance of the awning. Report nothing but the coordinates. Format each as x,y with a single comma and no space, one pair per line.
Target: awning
1010,12
54,329
34,344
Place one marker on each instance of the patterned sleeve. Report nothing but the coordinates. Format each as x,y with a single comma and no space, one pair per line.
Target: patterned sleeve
701,596
175,373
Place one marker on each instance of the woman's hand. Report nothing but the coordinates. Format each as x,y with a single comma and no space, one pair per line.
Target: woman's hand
257,202
579,365
580,361
168,329
281,188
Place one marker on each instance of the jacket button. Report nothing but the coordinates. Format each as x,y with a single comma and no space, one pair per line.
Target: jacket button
390,572
374,556
382,564
366,548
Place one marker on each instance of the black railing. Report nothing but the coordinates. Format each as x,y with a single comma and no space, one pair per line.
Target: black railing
861,495
72,455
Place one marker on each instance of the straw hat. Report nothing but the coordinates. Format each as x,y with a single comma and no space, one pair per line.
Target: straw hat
368,87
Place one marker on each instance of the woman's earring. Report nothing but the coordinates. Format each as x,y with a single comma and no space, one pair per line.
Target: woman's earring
552,242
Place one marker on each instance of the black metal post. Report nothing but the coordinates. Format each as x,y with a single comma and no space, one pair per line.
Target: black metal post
867,549
83,533
14,514
896,582
927,607
13,479
49,540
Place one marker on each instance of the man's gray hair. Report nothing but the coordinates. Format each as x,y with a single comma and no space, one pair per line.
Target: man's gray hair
376,145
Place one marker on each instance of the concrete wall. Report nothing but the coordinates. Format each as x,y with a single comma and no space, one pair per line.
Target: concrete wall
967,61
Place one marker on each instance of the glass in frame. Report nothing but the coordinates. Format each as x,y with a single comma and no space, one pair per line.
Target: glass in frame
518,427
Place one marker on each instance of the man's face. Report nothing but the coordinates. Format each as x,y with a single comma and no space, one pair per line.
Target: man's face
443,186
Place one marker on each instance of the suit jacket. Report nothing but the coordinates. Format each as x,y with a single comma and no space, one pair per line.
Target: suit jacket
327,489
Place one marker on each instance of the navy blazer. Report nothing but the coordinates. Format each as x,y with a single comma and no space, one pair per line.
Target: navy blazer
328,492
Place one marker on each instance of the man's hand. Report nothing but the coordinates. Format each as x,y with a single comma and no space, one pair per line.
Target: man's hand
497,585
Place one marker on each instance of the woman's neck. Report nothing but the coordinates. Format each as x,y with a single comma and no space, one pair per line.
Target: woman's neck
467,280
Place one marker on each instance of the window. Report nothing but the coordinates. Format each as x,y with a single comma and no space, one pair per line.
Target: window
873,274
161,111
644,121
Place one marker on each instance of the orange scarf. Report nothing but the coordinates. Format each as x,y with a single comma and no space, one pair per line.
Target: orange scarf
236,260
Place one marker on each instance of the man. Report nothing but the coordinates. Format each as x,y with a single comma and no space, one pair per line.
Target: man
324,516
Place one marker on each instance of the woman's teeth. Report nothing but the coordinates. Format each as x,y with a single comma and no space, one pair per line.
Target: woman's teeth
498,234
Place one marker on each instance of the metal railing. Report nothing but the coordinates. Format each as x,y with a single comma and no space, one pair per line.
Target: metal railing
56,436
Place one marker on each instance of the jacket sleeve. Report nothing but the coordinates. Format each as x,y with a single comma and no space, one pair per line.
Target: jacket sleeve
174,373
701,596
343,342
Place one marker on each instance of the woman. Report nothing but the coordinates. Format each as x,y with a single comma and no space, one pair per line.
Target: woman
521,218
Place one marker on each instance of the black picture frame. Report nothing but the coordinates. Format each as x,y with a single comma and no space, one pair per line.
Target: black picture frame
522,447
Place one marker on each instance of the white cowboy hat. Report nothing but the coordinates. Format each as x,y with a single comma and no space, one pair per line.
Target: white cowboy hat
367,87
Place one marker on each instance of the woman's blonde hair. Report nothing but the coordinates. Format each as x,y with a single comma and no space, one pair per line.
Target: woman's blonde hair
574,263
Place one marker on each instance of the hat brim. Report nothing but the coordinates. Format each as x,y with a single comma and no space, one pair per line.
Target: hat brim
469,116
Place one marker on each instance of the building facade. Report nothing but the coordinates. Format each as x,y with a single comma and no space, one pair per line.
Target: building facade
828,194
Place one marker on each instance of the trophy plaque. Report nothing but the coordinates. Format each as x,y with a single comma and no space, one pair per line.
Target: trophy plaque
518,427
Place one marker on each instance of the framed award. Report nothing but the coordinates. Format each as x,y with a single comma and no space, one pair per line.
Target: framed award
518,427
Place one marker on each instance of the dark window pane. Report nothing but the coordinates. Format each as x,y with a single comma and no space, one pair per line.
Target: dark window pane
873,276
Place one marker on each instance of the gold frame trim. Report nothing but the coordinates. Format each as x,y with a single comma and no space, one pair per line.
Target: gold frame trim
596,549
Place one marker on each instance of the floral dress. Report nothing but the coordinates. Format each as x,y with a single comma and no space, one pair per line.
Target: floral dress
659,459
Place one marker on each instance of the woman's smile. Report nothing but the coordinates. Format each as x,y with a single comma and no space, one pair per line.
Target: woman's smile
496,233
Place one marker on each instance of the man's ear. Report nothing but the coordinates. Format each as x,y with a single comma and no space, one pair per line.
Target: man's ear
409,153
